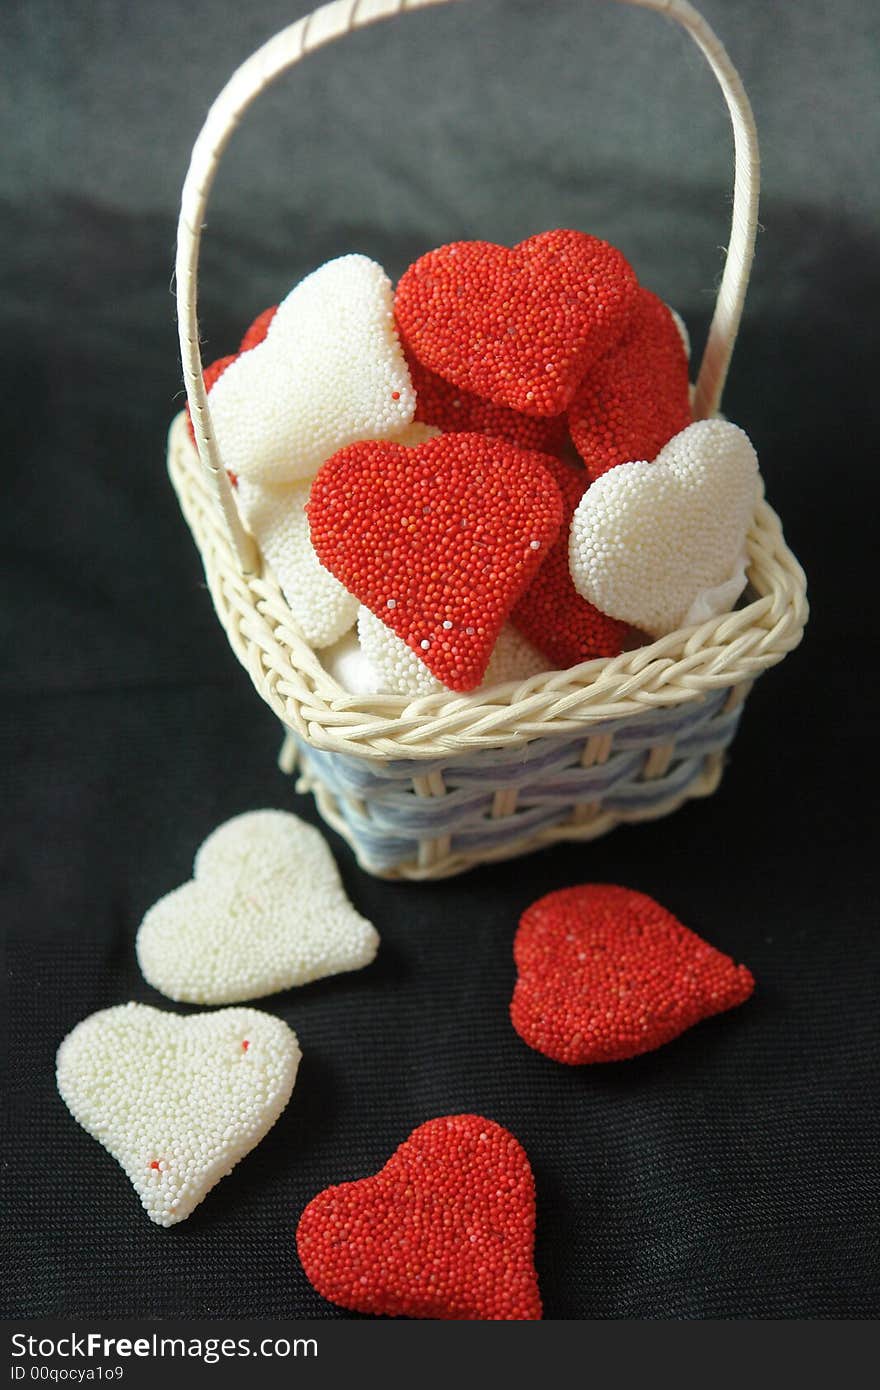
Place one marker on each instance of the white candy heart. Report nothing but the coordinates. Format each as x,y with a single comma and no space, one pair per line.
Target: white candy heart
265,910
275,516
390,666
650,540
329,372
177,1101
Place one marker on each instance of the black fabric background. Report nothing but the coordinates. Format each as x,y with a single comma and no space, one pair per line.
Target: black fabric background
732,1174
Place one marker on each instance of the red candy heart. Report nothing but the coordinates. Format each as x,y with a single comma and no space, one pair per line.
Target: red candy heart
258,329
606,973
456,411
518,327
636,397
438,540
444,1230
212,373
551,613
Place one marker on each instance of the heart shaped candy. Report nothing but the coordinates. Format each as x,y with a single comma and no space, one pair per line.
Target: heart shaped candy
177,1101
519,327
389,665
445,1230
606,973
439,540
457,411
551,613
636,397
329,371
265,910
649,539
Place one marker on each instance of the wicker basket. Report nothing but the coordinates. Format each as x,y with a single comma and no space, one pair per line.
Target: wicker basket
430,787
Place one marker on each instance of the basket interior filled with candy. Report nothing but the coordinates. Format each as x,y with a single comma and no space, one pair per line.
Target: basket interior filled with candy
484,514
489,474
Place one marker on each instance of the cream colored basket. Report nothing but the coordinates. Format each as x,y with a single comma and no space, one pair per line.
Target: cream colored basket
430,787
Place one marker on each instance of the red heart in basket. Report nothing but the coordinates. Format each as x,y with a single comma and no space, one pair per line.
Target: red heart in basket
519,327
456,411
438,540
606,973
637,396
563,626
445,1230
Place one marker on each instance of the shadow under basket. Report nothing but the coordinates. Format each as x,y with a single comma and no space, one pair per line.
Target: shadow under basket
427,788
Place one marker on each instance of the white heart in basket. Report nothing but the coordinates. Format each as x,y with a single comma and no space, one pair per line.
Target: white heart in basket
650,541
177,1101
264,911
329,372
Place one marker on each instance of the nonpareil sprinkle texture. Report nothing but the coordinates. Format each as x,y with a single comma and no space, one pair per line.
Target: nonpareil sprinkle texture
396,668
445,1230
328,371
438,540
457,411
264,911
650,539
606,973
518,327
177,1101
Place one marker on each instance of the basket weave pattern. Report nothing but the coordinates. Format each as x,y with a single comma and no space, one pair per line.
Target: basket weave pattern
430,787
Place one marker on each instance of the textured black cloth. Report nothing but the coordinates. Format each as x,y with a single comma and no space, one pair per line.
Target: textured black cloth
734,1172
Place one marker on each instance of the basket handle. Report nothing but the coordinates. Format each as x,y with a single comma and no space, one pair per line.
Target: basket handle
331,22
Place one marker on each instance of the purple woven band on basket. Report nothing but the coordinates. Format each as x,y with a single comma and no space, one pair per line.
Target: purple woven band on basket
645,763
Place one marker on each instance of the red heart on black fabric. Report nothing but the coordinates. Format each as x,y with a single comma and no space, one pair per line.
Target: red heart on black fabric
563,626
606,973
518,327
445,1230
438,540
636,397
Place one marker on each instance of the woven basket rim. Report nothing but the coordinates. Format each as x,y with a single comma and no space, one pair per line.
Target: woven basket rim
289,675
